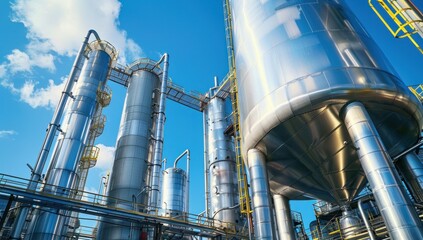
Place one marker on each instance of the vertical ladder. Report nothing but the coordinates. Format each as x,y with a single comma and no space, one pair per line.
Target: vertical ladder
244,196
405,17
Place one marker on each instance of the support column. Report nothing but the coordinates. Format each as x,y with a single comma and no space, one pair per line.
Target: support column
263,220
283,217
395,206
411,168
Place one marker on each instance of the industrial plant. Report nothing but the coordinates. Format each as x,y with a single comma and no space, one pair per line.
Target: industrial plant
316,112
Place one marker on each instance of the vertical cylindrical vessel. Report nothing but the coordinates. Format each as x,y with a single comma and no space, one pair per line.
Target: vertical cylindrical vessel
262,214
399,214
174,202
128,178
283,217
222,171
62,174
297,64
411,169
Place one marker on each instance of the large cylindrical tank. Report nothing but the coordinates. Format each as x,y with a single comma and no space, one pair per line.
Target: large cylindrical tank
128,179
222,169
70,144
298,63
174,188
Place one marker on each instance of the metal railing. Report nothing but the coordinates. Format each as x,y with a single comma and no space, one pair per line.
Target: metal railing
94,204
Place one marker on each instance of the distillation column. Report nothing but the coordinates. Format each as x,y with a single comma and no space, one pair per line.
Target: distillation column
127,185
395,206
222,171
62,174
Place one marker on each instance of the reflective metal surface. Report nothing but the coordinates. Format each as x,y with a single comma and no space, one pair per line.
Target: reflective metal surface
283,217
51,131
174,202
221,168
395,206
350,223
369,228
75,128
128,178
411,169
262,214
298,63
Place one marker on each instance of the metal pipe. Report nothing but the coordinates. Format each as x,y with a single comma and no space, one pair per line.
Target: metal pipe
186,152
283,217
395,159
263,220
216,82
158,136
51,132
395,206
206,164
226,208
366,220
411,168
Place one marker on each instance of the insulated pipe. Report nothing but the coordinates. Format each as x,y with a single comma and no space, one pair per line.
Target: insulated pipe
283,217
158,137
366,220
263,220
411,168
395,206
51,132
206,165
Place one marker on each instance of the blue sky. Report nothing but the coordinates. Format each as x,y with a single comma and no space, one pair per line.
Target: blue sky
40,39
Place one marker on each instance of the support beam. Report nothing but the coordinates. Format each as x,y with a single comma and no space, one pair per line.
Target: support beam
263,219
395,206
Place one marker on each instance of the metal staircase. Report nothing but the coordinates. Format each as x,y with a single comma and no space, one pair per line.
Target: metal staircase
404,19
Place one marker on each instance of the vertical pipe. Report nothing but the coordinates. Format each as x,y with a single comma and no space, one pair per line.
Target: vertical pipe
411,168
283,217
366,220
263,221
206,164
396,208
158,136
51,132
186,197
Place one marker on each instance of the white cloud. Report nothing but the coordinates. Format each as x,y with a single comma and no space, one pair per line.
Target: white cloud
61,27
105,157
56,29
7,133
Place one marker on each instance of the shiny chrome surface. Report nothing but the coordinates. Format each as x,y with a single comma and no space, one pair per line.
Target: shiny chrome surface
128,178
369,228
411,169
395,206
283,217
153,196
51,132
350,223
298,63
260,195
221,168
75,128
175,186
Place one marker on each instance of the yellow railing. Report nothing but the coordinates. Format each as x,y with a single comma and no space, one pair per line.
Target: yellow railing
90,154
104,96
404,26
417,91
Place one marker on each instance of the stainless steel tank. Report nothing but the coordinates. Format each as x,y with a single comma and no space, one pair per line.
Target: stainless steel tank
221,168
75,128
298,63
174,188
127,185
